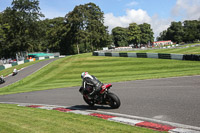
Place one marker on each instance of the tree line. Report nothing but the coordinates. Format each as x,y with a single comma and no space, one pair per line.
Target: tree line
22,28
182,32
136,35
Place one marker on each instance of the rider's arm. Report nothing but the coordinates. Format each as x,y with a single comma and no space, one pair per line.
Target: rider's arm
83,84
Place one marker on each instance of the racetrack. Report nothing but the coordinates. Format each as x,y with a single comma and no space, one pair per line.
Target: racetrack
26,71
170,99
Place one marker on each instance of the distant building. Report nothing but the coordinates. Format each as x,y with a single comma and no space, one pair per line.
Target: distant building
163,43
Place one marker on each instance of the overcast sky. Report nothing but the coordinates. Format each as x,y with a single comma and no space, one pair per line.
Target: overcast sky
158,13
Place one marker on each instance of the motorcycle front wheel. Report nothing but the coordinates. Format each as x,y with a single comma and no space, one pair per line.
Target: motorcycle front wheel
113,100
88,101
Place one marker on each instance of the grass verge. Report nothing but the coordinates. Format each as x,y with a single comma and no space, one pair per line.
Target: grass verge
7,71
16,119
65,72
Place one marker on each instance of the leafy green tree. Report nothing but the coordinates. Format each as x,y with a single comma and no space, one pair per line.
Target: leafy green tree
54,32
188,31
146,33
98,32
134,34
86,24
162,36
191,30
198,30
120,36
23,19
4,28
175,32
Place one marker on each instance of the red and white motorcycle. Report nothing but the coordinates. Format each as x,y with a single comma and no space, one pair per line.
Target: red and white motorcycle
104,97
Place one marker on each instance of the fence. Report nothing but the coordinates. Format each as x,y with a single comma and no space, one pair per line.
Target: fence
5,66
191,57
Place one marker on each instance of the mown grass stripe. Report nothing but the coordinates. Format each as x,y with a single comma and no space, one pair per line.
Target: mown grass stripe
65,72
30,120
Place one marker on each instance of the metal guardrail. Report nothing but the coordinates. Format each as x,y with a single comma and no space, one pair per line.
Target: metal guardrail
5,66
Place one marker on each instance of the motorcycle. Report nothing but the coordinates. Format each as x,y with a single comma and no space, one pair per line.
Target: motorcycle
2,80
104,97
15,71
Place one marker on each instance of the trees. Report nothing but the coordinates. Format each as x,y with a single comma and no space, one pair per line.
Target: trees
22,19
146,33
120,36
86,24
134,34
187,31
162,36
191,30
54,35
21,29
81,30
175,32
4,28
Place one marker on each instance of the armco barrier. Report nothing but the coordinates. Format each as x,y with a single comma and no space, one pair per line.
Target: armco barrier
41,58
14,64
191,57
108,54
115,54
20,62
150,55
164,56
132,55
25,61
141,55
177,56
5,66
2,67
51,57
123,55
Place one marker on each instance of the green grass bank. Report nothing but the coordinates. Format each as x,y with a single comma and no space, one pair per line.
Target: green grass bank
15,119
65,72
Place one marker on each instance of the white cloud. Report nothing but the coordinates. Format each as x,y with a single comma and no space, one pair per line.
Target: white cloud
133,3
187,9
138,16
183,10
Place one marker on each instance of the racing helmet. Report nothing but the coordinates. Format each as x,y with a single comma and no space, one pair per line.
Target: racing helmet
83,74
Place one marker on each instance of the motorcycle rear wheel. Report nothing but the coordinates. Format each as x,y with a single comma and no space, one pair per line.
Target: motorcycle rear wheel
113,100
90,102
2,81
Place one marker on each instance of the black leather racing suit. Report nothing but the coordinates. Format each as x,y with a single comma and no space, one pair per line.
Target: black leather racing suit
93,82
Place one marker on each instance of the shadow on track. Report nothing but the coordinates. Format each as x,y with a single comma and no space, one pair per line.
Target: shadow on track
87,107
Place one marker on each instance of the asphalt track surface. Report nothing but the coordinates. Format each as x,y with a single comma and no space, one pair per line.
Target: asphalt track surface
169,99
25,72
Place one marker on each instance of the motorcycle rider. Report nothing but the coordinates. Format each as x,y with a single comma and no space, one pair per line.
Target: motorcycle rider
2,79
15,71
90,81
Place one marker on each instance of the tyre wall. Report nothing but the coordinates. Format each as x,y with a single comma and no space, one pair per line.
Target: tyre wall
190,57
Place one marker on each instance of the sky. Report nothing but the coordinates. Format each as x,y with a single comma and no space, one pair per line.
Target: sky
158,13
